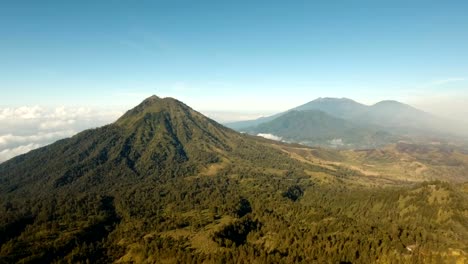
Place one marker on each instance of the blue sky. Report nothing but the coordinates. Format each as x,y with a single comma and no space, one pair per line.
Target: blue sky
257,56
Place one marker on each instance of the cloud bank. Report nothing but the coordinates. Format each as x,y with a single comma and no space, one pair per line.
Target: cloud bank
25,128
269,136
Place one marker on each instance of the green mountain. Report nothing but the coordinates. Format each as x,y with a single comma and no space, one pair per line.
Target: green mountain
317,128
241,125
338,107
164,184
386,113
159,137
391,117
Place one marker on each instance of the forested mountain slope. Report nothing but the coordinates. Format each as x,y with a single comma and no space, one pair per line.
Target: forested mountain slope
164,184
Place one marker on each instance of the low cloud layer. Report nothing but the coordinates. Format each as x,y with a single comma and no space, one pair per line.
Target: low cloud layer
25,128
269,136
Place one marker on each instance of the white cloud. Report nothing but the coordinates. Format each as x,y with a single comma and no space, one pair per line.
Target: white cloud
27,127
336,142
7,154
41,137
56,124
24,112
269,136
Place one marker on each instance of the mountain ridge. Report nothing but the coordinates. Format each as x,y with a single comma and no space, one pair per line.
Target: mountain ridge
318,128
338,107
346,108
402,120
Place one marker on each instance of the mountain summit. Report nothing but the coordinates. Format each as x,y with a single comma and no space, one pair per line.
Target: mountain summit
159,138
338,107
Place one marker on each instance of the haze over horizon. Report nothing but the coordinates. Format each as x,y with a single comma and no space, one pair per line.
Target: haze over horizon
69,66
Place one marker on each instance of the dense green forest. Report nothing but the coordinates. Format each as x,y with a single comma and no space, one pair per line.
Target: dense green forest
164,184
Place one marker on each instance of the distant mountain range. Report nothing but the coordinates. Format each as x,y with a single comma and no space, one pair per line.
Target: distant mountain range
317,128
328,121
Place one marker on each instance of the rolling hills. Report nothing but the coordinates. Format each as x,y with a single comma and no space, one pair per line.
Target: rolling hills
165,184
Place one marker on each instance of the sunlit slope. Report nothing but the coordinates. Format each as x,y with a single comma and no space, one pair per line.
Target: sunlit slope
398,163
